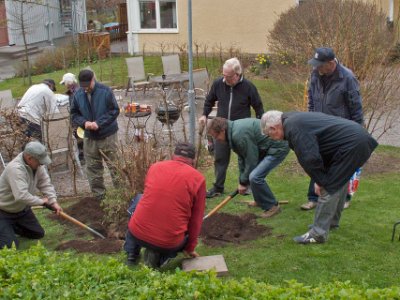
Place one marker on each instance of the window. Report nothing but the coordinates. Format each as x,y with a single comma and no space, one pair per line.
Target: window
157,14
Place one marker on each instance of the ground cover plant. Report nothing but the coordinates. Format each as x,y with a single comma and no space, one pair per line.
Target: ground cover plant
35,274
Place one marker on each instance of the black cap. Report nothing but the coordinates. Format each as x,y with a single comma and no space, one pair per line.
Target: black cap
186,150
321,56
50,83
85,77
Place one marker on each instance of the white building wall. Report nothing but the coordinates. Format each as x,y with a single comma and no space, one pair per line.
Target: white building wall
42,22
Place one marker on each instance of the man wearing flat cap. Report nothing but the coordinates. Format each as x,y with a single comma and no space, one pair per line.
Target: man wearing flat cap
95,109
18,184
37,103
167,218
335,91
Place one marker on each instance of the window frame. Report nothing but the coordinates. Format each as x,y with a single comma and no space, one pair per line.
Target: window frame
138,28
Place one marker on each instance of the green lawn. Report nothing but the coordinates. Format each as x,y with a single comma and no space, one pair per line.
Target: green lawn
359,251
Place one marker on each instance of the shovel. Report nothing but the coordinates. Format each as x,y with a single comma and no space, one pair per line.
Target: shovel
219,206
76,222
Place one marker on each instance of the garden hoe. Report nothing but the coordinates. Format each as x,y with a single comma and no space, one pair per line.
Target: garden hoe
76,222
219,206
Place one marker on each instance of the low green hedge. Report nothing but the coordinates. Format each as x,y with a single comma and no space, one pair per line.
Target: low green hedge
40,274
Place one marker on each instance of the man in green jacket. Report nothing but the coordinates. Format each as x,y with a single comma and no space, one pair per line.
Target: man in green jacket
258,155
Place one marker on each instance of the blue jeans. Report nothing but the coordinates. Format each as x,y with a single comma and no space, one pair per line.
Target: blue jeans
261,191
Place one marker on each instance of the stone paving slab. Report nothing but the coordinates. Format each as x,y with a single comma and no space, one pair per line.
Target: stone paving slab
204,263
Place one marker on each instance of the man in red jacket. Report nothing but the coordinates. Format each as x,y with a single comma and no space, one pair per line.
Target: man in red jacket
167,218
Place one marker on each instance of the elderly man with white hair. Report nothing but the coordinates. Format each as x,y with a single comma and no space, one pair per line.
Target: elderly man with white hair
235,96
329,149
70,82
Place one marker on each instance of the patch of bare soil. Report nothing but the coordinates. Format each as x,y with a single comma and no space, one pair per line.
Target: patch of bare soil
221,229
382,163
378,163
88,211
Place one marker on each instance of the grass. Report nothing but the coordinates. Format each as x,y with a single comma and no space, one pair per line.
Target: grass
360,251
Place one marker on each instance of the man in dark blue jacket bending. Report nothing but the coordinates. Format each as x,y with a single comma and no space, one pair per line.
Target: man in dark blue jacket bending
95,109
329,149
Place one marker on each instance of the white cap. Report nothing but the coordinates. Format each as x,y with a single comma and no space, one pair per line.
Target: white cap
68,78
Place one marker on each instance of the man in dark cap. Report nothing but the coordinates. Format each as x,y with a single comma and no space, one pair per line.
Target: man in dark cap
329,149
333,90
167,218
95,109
20,180
37,103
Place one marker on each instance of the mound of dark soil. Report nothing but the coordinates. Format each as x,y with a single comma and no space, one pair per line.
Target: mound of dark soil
222,228
88,211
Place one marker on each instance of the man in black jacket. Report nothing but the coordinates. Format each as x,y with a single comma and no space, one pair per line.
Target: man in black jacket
235,96
329,149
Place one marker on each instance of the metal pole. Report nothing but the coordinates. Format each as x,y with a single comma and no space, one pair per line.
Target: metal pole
49,23
192,104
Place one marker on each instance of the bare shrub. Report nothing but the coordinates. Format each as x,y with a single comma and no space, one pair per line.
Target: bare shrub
358,33
135,161
59,58
12,134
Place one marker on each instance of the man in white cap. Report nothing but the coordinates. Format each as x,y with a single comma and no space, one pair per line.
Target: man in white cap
70,82
25,174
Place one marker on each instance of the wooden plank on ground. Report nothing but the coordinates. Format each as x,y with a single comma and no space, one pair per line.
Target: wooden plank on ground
204,263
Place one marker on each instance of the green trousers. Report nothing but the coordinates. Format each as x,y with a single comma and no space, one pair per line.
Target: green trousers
95,151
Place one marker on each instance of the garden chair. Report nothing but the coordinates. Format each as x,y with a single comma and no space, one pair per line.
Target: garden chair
58,138
201,82
6,100
171,64
136,75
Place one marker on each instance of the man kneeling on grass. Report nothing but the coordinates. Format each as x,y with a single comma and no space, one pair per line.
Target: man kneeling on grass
330,149
18,184
167,218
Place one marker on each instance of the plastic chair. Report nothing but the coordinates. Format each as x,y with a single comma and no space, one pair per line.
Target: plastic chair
6,100
137,77
57,136
201,82
171,64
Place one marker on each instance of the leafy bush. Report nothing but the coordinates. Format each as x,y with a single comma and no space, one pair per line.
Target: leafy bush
40,274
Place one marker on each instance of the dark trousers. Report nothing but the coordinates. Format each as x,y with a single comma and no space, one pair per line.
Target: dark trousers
23,223
222,155
32,130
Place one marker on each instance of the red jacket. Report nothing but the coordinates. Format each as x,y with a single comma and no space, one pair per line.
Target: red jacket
172,204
